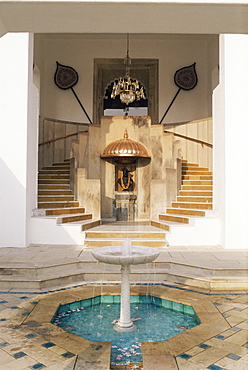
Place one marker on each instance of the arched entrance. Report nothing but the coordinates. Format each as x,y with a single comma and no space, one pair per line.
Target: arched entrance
107,70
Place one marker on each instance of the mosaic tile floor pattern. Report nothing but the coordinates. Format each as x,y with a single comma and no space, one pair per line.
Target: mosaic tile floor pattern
23,349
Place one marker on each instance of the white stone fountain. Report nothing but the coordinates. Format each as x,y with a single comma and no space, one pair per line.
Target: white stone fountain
125,256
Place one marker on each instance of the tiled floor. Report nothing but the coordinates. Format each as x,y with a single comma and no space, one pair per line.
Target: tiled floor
29,341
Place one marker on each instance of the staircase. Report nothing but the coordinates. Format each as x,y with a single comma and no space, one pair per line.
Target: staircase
55,199
150,237
193,201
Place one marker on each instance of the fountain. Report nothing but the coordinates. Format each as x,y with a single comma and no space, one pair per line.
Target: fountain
125,256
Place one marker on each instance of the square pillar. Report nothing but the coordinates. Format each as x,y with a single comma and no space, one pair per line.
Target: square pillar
18,139
230,125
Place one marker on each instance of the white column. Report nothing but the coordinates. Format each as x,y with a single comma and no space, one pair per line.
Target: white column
230,124
18,139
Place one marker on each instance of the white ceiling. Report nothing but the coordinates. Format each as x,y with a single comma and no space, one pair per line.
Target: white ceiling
124,17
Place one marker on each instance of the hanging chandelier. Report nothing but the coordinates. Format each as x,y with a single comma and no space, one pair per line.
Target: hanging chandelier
127,88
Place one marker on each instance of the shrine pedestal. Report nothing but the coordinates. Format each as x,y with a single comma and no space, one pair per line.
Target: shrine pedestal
125,206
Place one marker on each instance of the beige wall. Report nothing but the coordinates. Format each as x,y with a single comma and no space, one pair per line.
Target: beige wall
172,51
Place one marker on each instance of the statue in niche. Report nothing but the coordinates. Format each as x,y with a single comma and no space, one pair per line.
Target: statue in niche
125,181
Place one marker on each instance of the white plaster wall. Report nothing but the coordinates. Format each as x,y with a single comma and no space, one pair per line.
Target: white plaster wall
79,51
231,141
17,143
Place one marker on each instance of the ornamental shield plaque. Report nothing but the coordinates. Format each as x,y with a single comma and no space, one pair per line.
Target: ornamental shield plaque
186,77
65,77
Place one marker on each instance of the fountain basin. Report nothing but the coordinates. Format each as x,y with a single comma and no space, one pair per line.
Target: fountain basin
114,255
125,256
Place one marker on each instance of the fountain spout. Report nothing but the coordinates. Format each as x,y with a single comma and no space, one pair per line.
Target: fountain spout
126,247
125,256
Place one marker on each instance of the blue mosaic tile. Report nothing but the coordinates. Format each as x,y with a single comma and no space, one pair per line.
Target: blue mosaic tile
16,327
217,304
184,356
237,309
157,301
4,344
233,356
37,366
1,302
117,298
96,300
228,299
48,344
235,329
3,319
86,303
25,313
68,355
204,346
246,321
135,299
166,304
23,297
245,345
107,299
225,315
188,310
35,302
19,355
32,335
146,299
222,337
14,308
214,367
75,305
177,306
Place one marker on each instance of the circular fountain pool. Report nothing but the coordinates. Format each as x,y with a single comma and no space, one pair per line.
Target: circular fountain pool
156,319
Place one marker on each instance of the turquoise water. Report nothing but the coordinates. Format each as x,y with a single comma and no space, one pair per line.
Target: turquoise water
93,319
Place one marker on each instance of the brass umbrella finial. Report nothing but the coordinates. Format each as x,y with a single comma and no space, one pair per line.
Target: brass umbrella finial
125,148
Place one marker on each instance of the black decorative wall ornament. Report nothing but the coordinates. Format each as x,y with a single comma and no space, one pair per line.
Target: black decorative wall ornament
65,78
186,79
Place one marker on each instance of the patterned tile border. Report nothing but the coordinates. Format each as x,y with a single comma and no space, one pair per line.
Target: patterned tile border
35,324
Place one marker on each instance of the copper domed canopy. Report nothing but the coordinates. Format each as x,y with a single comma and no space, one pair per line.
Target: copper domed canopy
125,148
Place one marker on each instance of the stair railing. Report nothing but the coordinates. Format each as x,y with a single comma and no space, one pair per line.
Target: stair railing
55,139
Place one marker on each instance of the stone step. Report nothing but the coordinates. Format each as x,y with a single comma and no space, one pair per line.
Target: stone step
192,205
157,243
196,193
196,173
55,198
65,163
197,187
197,177
187,212
58,167
53,192
88,224
125,234
90,271
58,211
160,224
186,163
194,168
169,217
66,218
57,204
54,186
58,182
54,172
42,176
194,199
197,182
